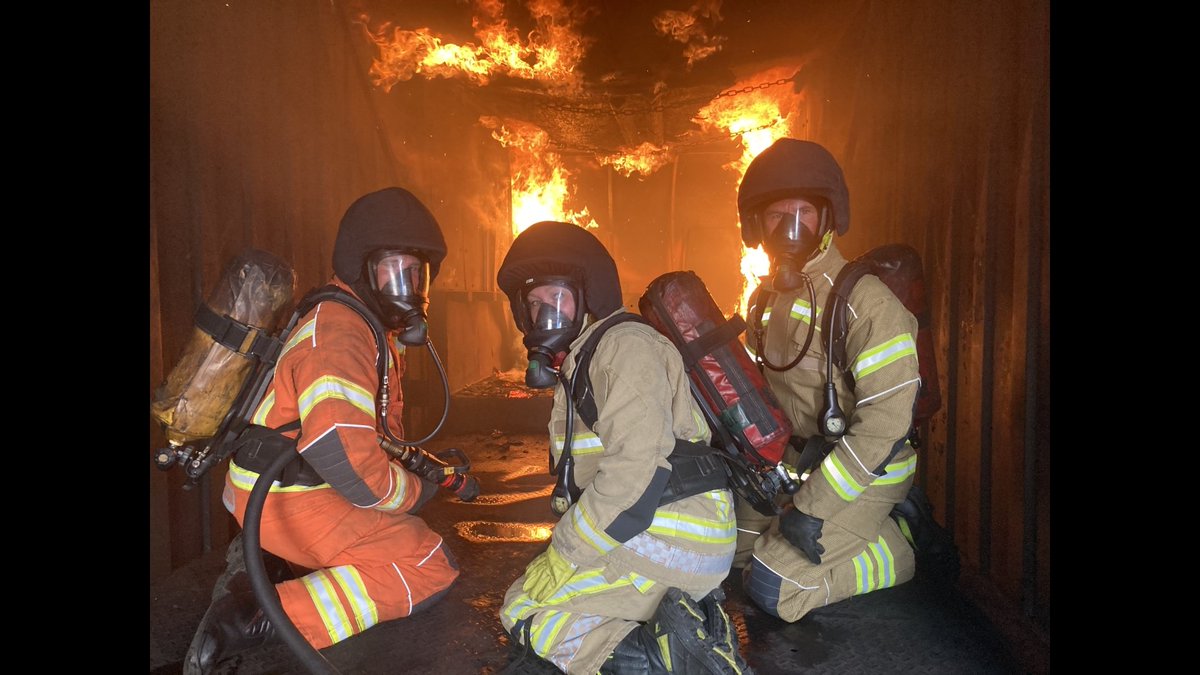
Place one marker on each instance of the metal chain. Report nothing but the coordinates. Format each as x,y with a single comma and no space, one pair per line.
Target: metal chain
657,108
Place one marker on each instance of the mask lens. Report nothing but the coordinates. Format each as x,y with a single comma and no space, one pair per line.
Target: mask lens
784,224
550,307
402,275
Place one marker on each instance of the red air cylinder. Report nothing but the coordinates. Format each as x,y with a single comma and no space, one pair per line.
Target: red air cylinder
680,307
899,266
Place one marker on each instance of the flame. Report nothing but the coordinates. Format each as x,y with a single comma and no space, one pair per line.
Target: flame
757,118
550,55
540,189
689,27
644,159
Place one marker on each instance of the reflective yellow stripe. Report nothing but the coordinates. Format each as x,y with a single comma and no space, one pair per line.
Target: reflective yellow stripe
520,607
887,563
643,584
586,528
399,490
548,629
800,310
260,415
874,568
330,387
888,352
692,528
303,333
582,443
864,568
724,503
589,582
320,588
366,614
701,424
897,472
244,479
839,478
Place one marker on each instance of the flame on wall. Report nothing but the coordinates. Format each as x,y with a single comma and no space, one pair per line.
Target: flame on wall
549,54
540,183
757,119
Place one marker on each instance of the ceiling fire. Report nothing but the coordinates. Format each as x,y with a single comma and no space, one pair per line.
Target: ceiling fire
626,85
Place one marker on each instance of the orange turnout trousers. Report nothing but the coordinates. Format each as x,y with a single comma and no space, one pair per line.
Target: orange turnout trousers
372,561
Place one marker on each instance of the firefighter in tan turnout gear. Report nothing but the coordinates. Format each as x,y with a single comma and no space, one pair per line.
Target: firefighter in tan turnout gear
630,581
835,538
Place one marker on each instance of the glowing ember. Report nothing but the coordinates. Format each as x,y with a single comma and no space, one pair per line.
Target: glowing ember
488,532
758,119
550,55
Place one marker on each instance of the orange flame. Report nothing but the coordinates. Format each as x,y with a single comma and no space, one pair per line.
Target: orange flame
550,55
539,185
758,119
644,159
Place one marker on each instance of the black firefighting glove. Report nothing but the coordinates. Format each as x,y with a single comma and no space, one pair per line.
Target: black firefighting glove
428,489
802,531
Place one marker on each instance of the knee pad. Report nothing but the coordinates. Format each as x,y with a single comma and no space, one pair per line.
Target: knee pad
762,585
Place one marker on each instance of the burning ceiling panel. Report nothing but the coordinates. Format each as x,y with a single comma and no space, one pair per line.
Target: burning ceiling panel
600,78
630,86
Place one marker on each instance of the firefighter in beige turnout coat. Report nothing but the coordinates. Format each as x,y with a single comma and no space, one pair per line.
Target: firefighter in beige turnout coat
624,583
835,539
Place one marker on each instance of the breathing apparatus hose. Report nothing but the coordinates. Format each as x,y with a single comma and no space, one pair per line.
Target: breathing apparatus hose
437,361
264,590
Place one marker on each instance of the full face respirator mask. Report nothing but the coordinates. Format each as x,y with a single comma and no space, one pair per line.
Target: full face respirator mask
398,291
551,317
789,243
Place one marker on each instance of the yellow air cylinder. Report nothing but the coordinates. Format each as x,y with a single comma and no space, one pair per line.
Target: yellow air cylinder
254,290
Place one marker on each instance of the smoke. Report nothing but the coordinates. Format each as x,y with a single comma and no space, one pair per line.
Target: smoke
693,28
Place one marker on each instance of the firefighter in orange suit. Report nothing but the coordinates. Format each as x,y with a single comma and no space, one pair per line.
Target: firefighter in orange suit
835,538
630,581
347,513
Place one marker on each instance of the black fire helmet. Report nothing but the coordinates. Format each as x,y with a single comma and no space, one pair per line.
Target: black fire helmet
562,249
791,168
388,218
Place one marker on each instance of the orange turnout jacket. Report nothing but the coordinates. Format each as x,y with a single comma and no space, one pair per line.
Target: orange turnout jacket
373,561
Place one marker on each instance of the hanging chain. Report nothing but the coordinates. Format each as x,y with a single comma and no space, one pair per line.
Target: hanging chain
603,109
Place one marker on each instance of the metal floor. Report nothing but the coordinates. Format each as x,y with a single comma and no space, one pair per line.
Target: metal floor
912,628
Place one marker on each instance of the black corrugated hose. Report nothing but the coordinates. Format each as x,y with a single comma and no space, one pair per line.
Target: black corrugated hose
264,590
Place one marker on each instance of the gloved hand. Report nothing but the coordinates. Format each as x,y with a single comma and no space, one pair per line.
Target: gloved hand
802,531
546,574
428,489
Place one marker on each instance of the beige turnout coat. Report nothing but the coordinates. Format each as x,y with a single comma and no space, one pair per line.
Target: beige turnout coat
628,550
871,467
